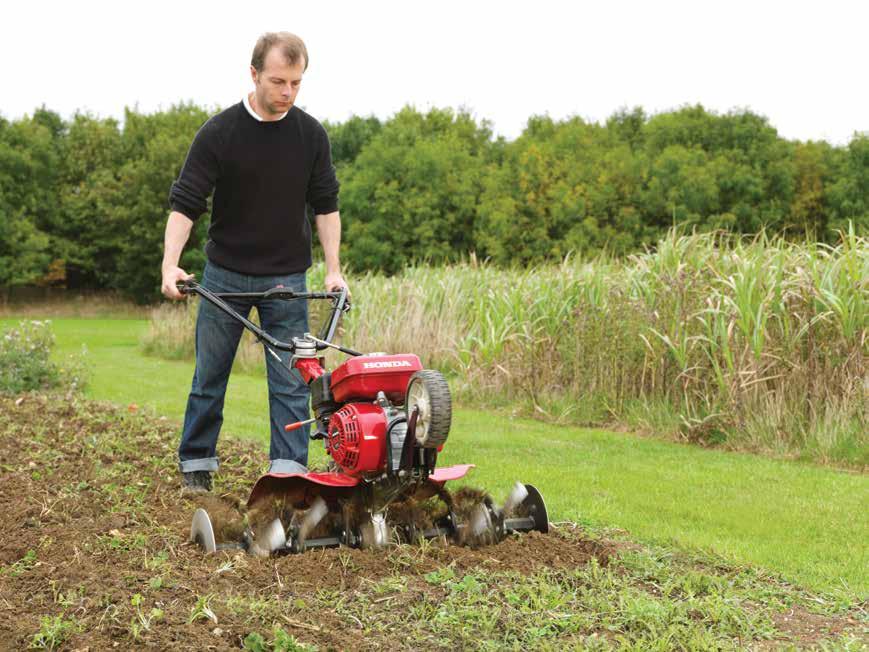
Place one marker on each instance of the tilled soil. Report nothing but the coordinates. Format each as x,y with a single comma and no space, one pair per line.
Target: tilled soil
92,516
94,555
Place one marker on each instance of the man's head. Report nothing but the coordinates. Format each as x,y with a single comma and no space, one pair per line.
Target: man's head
279,60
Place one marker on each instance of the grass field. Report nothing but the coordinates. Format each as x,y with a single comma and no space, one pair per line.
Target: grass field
799,520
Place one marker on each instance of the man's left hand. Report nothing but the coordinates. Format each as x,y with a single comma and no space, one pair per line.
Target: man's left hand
334,282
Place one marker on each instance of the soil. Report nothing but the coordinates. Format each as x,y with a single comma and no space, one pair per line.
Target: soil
92,512
95,531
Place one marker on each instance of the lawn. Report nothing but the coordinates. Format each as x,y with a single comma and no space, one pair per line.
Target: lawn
799,520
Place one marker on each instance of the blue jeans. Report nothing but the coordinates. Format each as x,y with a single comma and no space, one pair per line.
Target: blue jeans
217,337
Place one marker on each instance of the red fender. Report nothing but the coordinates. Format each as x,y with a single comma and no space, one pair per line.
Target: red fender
300,489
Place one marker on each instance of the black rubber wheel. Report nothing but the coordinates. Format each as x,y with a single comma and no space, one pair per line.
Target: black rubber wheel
428,390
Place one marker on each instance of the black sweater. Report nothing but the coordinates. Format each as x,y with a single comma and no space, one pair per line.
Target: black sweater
263,174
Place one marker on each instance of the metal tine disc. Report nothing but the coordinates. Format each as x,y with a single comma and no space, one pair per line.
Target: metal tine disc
271,538
517,496
481,522
312,517
374,533
202,532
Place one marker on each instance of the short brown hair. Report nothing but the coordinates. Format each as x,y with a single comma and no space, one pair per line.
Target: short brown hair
291,45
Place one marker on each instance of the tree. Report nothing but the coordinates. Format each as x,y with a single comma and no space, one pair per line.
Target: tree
29,163
411,194
560,188
349,138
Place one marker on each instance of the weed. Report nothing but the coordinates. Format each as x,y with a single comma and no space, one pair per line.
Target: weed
440,576
281,642
389,584
23,565
115,540
202,610
157,561
141,621
25,363
65,599
53,631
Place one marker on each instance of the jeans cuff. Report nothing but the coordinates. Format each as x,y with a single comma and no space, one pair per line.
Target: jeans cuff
286,466
201,464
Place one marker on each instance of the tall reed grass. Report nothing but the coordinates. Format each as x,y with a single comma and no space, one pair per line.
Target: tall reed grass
70,304
756,343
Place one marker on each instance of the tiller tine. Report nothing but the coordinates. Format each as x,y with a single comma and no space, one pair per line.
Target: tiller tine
523,511
534,516
270,539
318,494
312,518
202,532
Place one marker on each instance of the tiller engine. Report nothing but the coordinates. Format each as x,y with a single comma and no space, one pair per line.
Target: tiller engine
383,420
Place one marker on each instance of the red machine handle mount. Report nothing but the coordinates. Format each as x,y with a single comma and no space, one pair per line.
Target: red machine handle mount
310,368
298,424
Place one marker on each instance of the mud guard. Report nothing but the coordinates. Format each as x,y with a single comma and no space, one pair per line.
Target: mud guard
301,489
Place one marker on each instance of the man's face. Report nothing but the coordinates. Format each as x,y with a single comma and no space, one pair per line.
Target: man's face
278,84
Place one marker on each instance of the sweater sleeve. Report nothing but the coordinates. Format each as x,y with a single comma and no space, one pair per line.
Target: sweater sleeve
322,192
190,192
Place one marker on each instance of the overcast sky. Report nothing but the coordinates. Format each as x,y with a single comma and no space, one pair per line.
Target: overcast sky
801,64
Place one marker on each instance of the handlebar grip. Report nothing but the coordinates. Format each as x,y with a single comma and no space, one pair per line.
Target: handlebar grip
184,287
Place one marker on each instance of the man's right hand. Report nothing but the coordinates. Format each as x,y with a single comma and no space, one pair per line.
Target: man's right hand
171,276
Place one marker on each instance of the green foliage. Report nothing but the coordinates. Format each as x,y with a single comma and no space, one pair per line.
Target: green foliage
24,360
116,212
92,196
561,188
29,160
350,137
411,194
53,631
24,251
21,566
84,201
281,642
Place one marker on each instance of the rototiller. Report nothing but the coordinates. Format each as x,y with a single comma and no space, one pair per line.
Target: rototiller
383,420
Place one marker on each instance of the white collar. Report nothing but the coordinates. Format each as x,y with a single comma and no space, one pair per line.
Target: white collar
253,113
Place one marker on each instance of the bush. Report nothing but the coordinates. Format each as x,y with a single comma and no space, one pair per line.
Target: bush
25,363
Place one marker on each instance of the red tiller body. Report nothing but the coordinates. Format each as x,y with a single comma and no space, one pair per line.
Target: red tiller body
361,377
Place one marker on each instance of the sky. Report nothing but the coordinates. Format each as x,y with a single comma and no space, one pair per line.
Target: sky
803,65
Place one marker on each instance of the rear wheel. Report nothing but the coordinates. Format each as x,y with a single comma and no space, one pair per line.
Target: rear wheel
429,393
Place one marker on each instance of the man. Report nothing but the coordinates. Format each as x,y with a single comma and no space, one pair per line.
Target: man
264,159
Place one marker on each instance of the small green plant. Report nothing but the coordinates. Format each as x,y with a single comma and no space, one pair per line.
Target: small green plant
202,610
53,631
157,561
65,599
25,363
141,622
281,642
21,566
441,576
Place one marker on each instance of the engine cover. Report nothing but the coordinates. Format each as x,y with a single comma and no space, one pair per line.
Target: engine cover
361,377
357,438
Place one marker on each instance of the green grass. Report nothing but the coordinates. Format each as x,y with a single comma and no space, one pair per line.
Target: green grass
800,520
